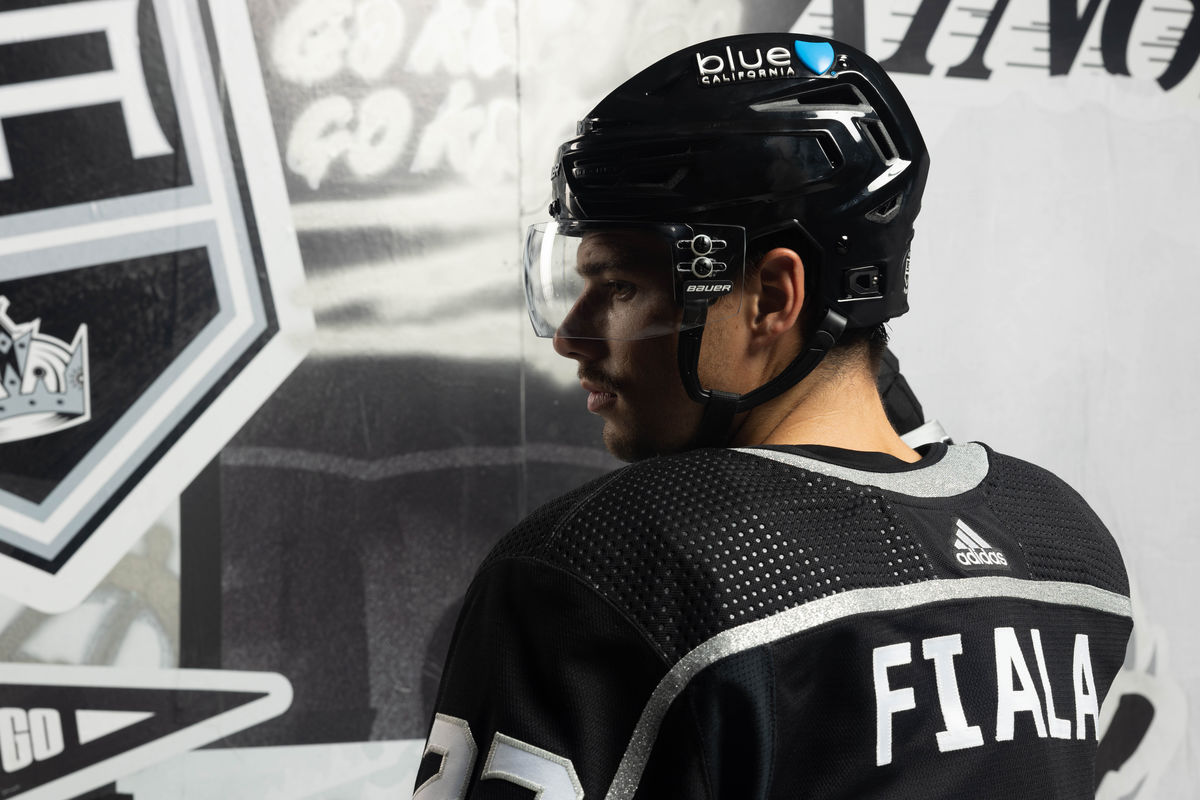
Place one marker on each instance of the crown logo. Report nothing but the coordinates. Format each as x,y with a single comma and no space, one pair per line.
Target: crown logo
43,380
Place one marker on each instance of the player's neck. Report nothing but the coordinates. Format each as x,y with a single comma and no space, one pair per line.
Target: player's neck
837,408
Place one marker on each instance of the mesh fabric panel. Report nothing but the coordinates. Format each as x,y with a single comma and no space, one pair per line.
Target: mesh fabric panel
1062,537
693,544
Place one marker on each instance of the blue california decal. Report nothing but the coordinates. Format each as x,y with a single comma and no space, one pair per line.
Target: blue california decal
817,56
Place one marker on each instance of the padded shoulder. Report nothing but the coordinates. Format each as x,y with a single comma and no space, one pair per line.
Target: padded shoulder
1063,538
529,538
691,544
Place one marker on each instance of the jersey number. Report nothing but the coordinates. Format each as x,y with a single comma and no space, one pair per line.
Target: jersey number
551,777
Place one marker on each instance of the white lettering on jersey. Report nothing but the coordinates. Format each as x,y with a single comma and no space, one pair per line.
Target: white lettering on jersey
125,83
1009,700
1086,703
1016,691
548,776
958,735
888,701
450,737
1059,728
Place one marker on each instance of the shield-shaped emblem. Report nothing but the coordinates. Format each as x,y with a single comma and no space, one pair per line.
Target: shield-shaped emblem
148,268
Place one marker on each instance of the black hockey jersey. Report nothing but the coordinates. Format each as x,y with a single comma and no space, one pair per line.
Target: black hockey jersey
788,622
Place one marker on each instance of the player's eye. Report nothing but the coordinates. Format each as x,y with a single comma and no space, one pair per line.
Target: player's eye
621,290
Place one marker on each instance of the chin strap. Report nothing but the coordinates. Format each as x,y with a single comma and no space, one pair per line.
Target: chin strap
721,407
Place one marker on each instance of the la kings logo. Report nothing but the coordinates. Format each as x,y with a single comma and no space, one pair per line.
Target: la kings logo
972,551
145,267
43,380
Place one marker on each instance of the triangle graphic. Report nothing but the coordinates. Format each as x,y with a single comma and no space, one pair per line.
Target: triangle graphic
93,725
817,56
966,529
98,724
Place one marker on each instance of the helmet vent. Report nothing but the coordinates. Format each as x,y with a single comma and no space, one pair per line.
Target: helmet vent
661,170
886,211
877,135
824,97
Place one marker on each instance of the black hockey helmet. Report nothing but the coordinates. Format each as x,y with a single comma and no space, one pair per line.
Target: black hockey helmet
796,140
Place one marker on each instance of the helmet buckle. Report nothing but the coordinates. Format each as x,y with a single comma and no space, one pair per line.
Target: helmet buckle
702,267
862,283
702,244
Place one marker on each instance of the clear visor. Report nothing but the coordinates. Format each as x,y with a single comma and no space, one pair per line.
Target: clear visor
626,280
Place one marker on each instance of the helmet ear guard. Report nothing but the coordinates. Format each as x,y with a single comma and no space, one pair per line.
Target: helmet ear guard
719,406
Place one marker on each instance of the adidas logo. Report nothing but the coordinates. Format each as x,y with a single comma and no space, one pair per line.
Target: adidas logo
972,551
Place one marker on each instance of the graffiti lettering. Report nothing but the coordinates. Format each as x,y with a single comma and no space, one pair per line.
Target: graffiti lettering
370,141
461,41
469,138
320,38
1058,37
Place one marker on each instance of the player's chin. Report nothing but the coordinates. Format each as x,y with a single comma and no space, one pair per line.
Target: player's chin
618,443
629,444
624,443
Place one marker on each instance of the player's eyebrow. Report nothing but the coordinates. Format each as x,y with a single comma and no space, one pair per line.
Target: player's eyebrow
626,262
592,268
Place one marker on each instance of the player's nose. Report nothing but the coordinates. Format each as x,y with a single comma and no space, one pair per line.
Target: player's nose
579,336
581,348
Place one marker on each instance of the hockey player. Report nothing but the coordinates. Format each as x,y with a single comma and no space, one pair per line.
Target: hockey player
779,598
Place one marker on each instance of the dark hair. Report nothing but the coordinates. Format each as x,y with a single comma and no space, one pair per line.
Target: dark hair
871,341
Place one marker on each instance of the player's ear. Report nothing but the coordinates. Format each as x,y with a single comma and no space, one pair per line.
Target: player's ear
777,293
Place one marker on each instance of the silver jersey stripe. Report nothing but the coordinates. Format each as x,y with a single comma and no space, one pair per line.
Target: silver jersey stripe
962,469
827,609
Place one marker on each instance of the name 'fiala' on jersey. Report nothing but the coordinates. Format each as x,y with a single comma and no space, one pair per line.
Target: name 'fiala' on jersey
1014,690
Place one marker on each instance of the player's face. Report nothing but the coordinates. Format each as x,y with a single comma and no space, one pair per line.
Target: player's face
632,383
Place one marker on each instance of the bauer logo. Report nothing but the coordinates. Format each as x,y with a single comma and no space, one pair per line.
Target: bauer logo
744,64
144,270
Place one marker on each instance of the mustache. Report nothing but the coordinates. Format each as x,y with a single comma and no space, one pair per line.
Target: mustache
598,378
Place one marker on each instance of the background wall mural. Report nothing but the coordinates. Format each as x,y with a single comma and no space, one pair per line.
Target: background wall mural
266,254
